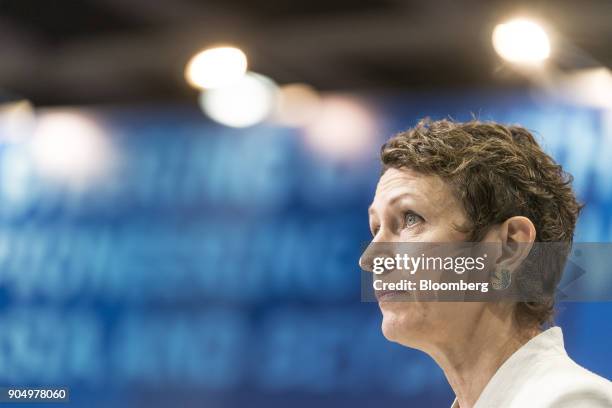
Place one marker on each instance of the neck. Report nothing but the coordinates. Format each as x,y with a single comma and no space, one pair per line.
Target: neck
472,355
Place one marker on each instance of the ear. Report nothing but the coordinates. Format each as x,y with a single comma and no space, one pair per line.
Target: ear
516,236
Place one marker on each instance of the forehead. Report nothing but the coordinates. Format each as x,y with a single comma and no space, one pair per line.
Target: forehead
429,189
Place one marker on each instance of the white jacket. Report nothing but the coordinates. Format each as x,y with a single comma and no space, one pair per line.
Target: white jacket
541,375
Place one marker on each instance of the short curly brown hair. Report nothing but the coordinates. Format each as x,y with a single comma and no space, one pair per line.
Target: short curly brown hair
496,172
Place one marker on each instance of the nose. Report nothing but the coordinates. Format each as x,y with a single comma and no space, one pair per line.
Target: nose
366,260
375,250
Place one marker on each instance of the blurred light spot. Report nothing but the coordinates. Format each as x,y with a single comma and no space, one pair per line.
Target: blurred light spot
521,41
242,103
70,147
16,121
216,67
15,176
298,105
590,87
344,129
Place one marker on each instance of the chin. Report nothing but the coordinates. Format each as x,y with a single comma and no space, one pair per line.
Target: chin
402,322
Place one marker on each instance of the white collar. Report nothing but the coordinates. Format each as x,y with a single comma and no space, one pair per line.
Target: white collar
549,342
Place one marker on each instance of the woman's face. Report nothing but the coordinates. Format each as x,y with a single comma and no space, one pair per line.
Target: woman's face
412,207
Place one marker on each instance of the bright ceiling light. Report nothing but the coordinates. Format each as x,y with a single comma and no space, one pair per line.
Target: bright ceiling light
589,87
69,147
298,105
344,129
216,67
521,41
242,103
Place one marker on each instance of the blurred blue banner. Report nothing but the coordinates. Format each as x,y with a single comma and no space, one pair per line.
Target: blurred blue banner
212,266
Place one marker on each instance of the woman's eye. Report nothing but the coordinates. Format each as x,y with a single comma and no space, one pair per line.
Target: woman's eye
411,219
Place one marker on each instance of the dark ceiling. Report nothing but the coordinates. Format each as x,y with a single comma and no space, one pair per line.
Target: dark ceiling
110,51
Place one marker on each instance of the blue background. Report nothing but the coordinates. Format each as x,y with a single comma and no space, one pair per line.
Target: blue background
218,267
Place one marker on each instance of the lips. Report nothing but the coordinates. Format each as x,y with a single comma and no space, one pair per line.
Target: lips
390,295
